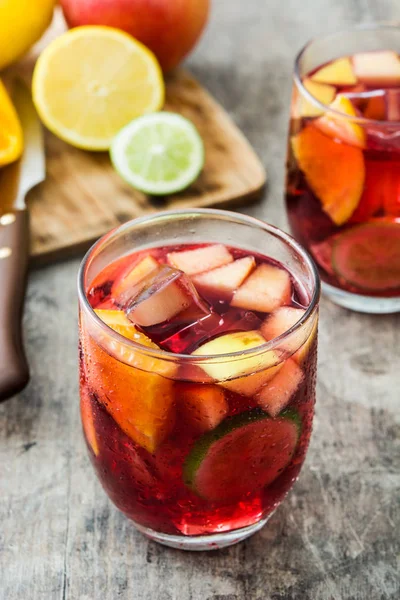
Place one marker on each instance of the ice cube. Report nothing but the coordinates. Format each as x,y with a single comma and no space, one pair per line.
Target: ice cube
163,295
187,339
132,276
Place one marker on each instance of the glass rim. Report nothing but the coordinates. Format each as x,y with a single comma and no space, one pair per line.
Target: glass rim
378,25
216,358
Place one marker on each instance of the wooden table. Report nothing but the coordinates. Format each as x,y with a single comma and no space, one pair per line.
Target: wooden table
337,534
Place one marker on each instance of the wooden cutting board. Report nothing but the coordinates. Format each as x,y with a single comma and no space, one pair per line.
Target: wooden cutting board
83,197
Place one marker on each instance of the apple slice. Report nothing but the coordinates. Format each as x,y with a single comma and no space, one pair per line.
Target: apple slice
377,69
246,375
322,92
134,387
203,406
199,260
265,289
132,276
280,321
276,395
338,72
335,172
342,129
225,280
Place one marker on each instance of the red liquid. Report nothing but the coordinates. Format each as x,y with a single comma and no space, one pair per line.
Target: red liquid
357,248
151,486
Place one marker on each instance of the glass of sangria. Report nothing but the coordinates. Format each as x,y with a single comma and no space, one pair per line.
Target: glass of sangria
343,165
198,338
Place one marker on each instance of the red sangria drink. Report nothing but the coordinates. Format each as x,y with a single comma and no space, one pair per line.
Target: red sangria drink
343,166
198,339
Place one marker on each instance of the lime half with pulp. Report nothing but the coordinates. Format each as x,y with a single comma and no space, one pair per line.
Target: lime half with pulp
159,153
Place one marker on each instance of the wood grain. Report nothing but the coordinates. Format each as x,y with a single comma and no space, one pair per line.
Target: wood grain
83,197
336,537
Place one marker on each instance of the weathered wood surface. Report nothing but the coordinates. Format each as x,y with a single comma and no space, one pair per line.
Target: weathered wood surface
337,535
83,197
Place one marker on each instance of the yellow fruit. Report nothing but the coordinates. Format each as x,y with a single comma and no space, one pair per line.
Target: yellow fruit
338,72
247,374
22,23
322,92
339,128
334,171
92,81
136,394
11,139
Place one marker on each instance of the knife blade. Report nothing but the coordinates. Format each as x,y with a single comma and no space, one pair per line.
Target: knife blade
15,182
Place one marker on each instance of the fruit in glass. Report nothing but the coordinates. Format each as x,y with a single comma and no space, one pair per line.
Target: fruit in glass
197,372
343,165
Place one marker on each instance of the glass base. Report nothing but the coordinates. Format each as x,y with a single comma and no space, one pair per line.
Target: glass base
365,304
214,541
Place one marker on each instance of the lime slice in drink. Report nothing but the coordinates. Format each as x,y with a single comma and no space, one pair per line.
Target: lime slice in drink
368,256
159,153
242,455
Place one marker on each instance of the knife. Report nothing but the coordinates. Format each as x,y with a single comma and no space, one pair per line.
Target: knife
15,182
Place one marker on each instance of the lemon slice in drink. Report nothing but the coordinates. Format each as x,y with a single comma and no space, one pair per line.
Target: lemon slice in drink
159,154
93,80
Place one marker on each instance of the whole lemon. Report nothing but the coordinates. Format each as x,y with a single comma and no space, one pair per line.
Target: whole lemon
22,23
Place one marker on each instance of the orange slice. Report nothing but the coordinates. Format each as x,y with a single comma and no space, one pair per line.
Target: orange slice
11,138
335,172
137,395
342,129
88,421
338,72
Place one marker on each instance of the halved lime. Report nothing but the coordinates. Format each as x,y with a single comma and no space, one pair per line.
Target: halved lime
159,153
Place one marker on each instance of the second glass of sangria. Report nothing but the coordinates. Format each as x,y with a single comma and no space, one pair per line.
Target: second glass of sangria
343,166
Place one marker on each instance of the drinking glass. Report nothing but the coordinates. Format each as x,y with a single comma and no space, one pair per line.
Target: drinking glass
196,491
343,164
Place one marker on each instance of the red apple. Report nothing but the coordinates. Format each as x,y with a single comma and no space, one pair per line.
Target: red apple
170,28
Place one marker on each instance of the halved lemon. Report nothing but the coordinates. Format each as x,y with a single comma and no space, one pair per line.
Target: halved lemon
93,80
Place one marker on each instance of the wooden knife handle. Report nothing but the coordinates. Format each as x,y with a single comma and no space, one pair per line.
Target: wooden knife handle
14,252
